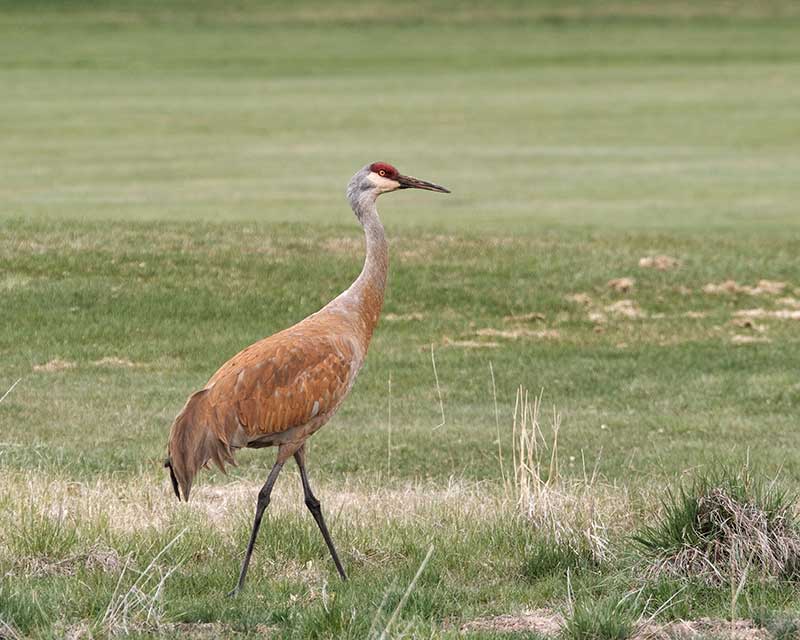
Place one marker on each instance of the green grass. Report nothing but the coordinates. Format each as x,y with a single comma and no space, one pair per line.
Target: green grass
702,515
171,189
600,620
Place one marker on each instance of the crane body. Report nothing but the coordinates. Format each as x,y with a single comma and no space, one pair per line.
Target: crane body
283,388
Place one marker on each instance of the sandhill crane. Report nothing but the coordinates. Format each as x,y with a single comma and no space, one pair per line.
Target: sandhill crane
280,390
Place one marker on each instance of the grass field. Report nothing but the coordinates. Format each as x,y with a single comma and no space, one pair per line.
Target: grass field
171,189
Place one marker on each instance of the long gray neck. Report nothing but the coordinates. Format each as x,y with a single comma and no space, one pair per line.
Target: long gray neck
371,283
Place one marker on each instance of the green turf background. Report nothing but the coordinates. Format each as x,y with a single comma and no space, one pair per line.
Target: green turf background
171,189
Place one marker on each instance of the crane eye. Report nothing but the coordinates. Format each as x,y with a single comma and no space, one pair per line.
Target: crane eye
382,172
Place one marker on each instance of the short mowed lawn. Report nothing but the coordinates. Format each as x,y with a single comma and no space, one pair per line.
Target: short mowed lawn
621,240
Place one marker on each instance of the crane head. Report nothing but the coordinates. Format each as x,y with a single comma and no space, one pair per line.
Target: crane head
386,178
377,178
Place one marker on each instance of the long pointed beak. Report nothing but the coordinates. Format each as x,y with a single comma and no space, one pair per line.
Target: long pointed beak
407,182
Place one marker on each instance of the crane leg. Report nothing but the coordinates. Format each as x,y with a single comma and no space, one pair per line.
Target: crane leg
314,507
261,505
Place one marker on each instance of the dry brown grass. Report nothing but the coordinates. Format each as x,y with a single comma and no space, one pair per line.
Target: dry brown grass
515,334
533,316
98,556
622,285
579,298
469,344
747,323
402,317
139,603
542,621
579,514
702,629
550,623
113,361
723,532
778,314
745,339
660,262
147,503
764,287
626,309
54,365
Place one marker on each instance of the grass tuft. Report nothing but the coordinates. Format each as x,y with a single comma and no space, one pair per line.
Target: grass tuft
8,632
571,515
780,626
722,526
606,619
142,601
546,558
42,535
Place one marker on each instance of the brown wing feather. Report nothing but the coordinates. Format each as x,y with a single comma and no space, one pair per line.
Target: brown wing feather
295,378
283,381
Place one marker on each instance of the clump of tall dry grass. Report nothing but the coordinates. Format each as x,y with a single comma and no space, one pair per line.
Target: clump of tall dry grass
574,514
141,603
722,527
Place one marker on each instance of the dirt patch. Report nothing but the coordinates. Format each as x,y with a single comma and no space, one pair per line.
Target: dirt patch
626,308
538,621
770,287
550,623
55,365
112,361
740,339
780,314
764,287
748,323
729,286
702,628
43,568
579,298
61,365
403,317
695,314
622,285
101,557
346,245
78,631
526,317
188,630
515,334
789,301
661,262
468,344
98,557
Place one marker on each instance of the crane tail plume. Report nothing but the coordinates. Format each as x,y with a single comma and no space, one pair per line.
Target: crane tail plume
193,442
168,465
